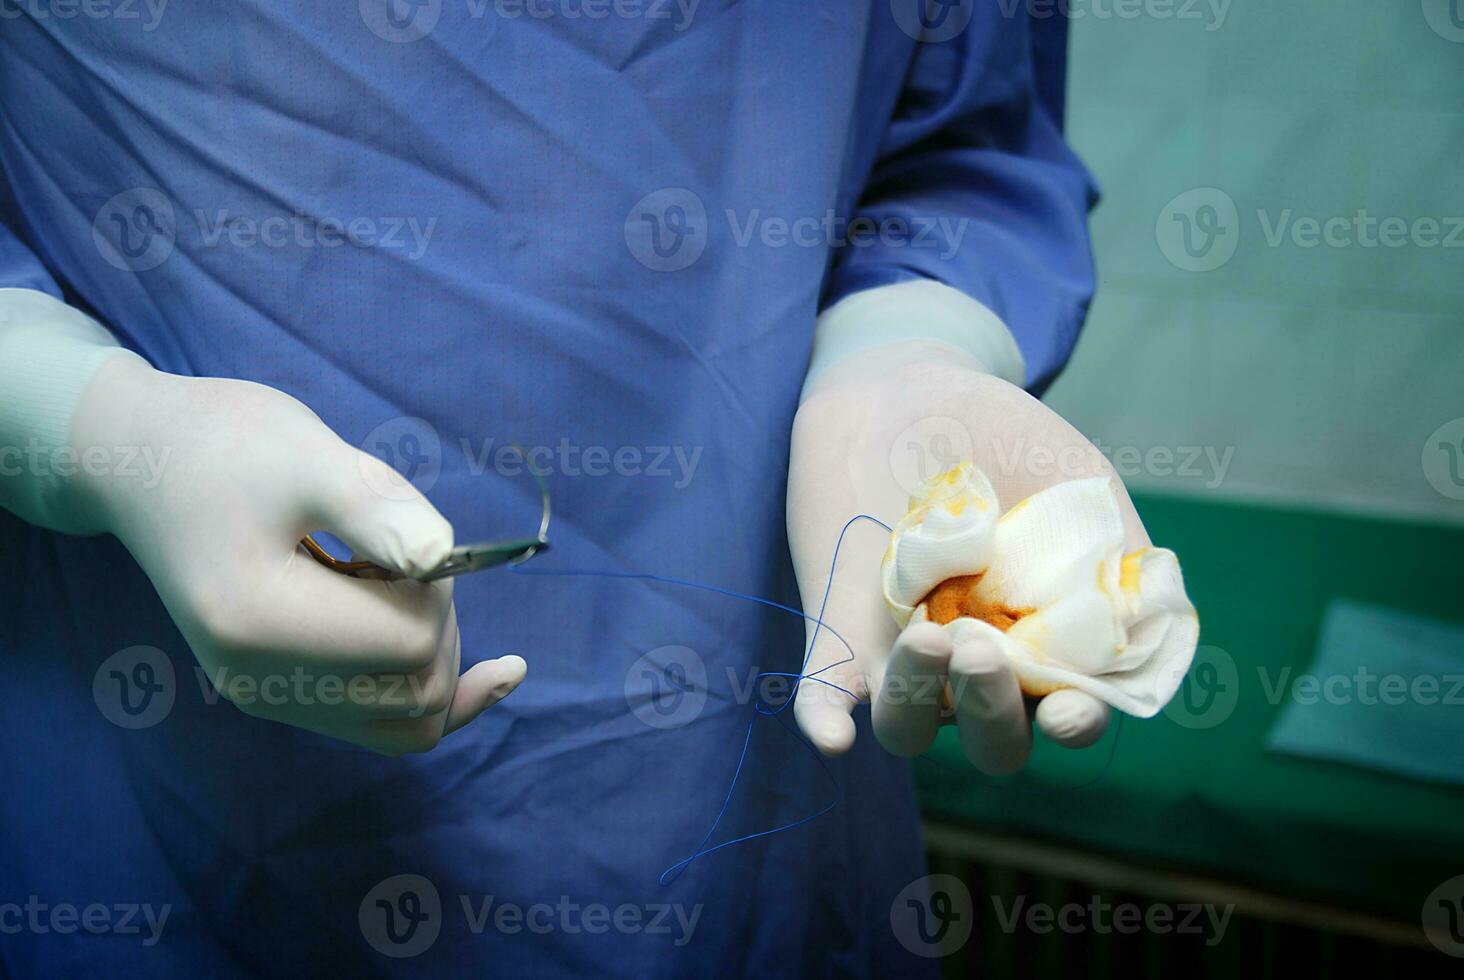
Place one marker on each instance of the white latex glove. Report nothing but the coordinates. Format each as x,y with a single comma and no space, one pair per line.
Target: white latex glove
246,471
870,406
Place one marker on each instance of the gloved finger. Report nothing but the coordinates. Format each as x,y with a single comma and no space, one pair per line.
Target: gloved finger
322,698
823,704
1072,718
995,732
906,703
310,615
370,507
424,693
833,682
831,685
481,687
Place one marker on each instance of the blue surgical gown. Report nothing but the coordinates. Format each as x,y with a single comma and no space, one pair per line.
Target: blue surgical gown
445,227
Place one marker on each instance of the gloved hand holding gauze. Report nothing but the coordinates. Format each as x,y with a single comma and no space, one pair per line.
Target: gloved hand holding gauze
1049,583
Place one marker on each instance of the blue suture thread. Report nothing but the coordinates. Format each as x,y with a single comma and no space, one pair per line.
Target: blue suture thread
675,870
702,850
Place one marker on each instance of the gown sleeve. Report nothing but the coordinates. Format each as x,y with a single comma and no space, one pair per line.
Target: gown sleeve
975,165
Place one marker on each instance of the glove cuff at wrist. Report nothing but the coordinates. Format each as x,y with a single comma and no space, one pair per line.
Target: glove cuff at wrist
49,354
920,309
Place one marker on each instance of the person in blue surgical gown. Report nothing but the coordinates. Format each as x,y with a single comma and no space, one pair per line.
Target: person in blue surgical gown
728,273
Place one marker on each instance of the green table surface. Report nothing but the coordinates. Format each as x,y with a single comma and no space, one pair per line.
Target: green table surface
1213,799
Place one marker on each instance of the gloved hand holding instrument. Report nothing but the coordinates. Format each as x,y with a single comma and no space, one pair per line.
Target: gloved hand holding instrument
249,473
